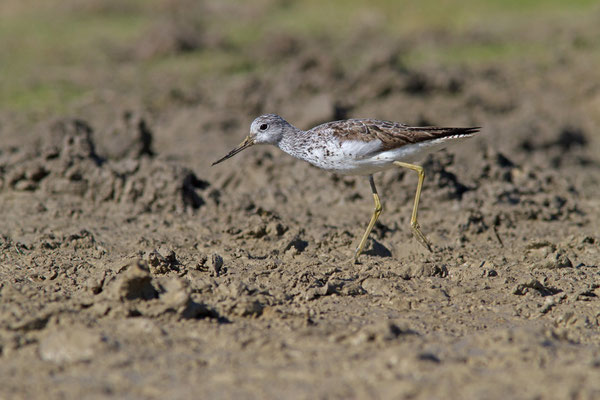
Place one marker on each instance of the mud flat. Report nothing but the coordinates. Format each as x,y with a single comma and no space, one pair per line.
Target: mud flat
130,268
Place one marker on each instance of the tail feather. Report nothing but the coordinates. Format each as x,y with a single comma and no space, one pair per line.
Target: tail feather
443,132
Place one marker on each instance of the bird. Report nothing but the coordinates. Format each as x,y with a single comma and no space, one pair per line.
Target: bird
359,146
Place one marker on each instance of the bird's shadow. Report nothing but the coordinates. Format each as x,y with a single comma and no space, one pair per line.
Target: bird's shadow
378,250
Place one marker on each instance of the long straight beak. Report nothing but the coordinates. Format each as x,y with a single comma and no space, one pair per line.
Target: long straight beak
244,145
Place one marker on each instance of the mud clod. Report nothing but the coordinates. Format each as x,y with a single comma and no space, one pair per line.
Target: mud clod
525,287
175,297
162,261
135,282
215,264
556,260
296,246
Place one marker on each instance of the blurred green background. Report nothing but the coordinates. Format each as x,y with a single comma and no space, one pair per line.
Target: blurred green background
59,54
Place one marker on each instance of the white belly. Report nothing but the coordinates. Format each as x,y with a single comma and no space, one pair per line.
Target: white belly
360,158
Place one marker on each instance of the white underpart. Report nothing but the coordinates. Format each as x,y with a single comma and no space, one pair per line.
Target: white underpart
355,157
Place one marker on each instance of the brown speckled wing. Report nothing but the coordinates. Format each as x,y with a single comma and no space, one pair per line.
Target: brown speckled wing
391,134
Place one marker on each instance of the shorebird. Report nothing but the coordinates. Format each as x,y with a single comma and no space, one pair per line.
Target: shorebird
357,147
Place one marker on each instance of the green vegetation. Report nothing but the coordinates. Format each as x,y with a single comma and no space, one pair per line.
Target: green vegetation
56,52
51,54
338,18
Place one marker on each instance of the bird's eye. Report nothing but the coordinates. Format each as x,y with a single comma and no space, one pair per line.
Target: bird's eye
264,127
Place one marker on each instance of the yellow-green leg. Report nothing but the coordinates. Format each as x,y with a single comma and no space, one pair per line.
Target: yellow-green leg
413,220
376,213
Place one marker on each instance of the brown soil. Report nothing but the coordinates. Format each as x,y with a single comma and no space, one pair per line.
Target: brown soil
130,268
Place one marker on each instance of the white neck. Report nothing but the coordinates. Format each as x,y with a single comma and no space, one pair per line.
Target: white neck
293,142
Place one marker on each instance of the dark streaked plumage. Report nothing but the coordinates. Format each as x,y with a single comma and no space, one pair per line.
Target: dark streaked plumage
391,134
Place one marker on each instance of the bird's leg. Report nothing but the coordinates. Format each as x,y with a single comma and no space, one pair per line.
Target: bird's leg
413,220
376,213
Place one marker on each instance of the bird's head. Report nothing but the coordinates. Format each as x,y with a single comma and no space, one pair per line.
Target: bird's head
266,129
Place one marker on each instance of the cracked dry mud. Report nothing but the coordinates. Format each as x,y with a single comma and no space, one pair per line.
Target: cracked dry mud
128,267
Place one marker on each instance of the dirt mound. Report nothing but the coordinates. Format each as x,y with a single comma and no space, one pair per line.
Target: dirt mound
67,164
